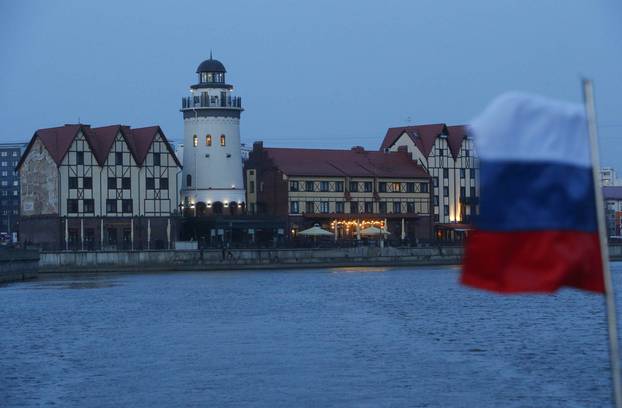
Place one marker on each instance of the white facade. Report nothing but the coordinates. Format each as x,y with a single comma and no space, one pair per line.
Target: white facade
212,160
454,174
608,177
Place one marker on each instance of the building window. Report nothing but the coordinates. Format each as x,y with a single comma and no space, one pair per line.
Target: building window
323,185
410,207
309,186
354,186
251,187
223,140
435,200
127,205
396,187
15,183
397,207
293,185
208,140
441,152
368,186
4,174
436,217
293,207
382,187
195,141
72,205
462,173
309,207
423,187
466,152
410,187
339,186
473,192
163,183
150,183
73,182
445,191
156,159
462,192
382,207
472,173
339,207
5,183
354,207
118,158
111,206
80,158
112,183
324,207
446,210
89,206
369,207
445,173
435,181
87,182
188,180
4,154
126,183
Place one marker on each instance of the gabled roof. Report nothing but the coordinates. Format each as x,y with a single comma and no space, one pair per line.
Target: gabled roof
456,135
339,163
424,137
58,140
142,139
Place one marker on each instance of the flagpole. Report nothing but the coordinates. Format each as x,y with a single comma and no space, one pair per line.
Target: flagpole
612,327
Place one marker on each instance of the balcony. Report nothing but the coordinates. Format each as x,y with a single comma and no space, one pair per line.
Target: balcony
202,101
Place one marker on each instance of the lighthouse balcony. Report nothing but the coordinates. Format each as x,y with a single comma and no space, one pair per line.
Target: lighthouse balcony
206,101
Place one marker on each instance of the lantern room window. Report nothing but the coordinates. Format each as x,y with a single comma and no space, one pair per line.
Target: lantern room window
195,141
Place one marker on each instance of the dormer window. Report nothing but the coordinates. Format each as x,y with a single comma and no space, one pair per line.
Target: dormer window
223,140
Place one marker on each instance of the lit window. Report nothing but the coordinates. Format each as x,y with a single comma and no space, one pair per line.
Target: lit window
222,140
195,141
208,140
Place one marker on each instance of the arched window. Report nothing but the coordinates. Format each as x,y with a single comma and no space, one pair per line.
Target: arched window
195,141
188,180
222,140
208,140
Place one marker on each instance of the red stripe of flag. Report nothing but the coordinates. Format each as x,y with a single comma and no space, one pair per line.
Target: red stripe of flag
535,261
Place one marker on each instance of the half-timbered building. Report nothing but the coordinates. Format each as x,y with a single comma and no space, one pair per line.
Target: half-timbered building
448,154
344,191
90,188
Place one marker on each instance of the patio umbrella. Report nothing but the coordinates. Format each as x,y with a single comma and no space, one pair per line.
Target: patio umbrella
374,231
315,231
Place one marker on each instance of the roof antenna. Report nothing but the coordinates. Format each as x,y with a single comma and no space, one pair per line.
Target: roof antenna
210,53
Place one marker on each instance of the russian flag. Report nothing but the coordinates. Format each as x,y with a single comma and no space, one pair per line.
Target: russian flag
537,229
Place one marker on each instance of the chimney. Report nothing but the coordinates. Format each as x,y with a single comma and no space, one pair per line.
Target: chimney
258,145
358,149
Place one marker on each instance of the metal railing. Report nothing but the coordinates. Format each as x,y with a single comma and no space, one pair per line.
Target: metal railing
206,101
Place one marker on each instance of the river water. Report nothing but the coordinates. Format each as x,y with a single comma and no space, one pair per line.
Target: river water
348,337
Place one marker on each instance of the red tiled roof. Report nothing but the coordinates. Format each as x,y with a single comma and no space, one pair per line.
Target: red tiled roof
454,139
612,192
58,140
339,163
424,136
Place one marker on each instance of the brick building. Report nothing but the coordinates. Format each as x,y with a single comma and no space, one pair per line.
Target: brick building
342,190
98,188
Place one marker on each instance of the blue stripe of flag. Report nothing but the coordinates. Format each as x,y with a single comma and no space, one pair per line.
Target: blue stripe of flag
532,196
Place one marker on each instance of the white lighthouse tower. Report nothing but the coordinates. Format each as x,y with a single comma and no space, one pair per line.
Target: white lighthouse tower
212,178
